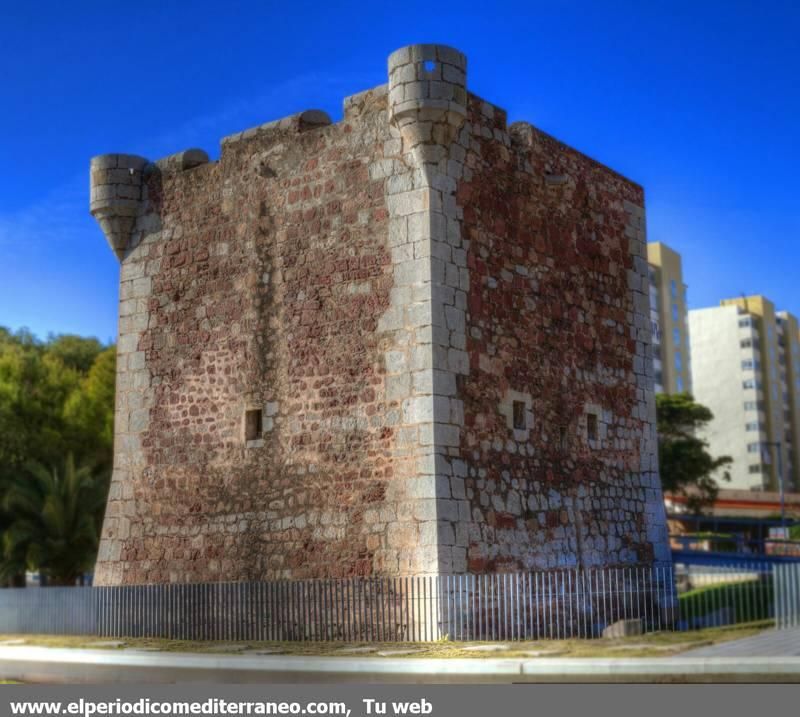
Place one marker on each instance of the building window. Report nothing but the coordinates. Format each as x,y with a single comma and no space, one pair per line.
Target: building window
253,425
750,383
749,365
676,337
519,415
675,312
755,468
746,321
678,362
679,384
753,426
591,426
753,447
673,289
656,333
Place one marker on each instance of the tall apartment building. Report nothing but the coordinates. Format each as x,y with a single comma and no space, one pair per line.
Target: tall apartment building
668,309
746,369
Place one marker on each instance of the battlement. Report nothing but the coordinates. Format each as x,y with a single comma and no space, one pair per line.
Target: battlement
299,122
427,100
181,161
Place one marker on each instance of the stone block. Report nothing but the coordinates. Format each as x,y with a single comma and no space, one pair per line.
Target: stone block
623,628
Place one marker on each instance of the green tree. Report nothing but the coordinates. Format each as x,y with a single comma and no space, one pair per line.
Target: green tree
74,352
56,398
89,412
687,468
57,518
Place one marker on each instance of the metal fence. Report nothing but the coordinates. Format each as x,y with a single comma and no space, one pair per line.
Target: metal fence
787,596
48,611
515,606
715,596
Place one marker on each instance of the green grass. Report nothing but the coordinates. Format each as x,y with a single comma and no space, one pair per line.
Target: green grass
747,601
656,644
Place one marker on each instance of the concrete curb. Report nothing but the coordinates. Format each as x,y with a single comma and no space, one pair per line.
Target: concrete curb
44,664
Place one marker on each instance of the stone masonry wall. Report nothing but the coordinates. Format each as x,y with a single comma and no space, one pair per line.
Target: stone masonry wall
556,323
259,282
392,292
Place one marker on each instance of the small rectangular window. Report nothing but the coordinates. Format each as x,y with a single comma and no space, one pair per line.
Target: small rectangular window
673,289
253,426
675,312
520,423
755,468
591,426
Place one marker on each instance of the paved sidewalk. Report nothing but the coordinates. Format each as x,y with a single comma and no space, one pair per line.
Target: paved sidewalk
69,665
771,643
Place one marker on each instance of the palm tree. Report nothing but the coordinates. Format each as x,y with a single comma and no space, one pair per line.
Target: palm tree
55,520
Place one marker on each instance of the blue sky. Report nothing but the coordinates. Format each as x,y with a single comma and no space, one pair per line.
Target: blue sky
698,101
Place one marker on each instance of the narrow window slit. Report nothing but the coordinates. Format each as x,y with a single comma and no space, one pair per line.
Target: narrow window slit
520,423
591,426
253,424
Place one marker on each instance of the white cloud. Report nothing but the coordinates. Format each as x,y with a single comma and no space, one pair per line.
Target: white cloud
59,216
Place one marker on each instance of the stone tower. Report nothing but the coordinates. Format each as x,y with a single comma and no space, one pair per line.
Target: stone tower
411,342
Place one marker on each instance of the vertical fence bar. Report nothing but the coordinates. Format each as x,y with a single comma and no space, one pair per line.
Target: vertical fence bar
509,605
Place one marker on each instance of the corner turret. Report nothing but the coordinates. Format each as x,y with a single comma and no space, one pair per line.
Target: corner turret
427,83
427,98
116,196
